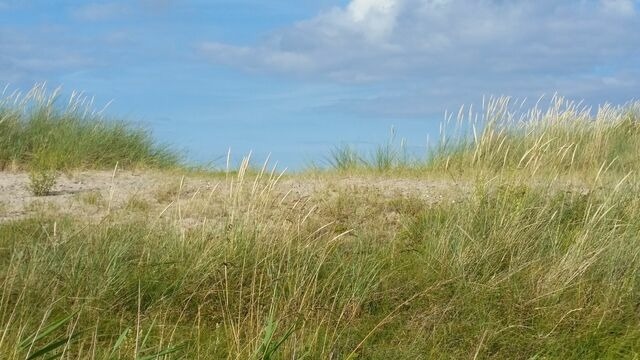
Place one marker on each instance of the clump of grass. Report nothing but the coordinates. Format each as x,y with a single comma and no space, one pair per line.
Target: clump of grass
38,127
41,182
384,158
93,198
344,157
167,192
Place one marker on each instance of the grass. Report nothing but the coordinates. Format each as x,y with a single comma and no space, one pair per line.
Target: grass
92,198
563,137
512,270
389,157
383,159
136,203
207,292
39,130
517,263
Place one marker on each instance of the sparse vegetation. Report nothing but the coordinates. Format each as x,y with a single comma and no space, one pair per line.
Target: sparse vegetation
536,256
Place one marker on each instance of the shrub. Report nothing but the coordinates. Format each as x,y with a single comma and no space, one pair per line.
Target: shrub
41,182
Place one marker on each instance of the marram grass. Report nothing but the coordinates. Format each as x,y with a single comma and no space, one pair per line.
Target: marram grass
563,137
506,136
39,130
515,267
512,270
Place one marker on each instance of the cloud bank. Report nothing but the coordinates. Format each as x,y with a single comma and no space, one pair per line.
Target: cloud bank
388,58
442,47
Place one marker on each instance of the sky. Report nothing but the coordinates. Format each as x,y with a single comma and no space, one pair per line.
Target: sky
295,79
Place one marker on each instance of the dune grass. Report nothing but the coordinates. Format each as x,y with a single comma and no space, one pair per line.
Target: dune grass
512,270
505,136
39,130
514,266
383,158
564,137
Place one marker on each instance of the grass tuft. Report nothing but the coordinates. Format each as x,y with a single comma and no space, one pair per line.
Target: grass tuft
41,182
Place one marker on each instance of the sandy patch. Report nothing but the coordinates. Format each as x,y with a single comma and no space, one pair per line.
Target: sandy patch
94,193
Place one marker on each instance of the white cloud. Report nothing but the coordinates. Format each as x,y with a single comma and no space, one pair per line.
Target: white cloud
376,19
432,54
385,39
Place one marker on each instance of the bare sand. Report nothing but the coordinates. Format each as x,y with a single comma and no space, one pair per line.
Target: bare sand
93,193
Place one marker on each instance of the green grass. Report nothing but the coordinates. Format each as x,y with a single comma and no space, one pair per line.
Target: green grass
510,271
237,289
39,130
385,158
563,137
521,265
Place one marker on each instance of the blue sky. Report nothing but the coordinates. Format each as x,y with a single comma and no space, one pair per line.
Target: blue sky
296,78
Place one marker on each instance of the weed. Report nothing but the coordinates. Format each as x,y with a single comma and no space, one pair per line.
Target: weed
41,182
